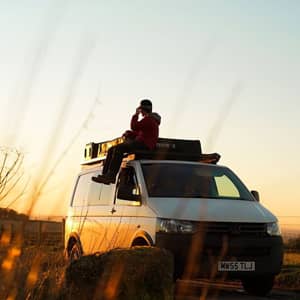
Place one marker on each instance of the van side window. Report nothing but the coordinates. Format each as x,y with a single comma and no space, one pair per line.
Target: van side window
81,191
100,194
89,192
94,193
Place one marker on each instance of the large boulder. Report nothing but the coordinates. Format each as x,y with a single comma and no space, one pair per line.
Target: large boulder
124,274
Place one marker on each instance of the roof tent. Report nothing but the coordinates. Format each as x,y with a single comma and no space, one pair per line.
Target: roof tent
166,149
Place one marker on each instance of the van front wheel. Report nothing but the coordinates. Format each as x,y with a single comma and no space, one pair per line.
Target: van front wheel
139,242
76,252
258,286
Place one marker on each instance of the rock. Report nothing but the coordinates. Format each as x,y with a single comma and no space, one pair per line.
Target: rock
124,274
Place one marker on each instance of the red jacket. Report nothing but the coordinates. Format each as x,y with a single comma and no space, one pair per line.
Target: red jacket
146,130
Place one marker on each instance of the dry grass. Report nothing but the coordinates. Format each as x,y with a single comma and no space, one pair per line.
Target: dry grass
31,273
289,278
34,273
291,258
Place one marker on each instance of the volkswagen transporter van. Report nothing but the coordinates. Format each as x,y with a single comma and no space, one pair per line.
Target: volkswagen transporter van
176,198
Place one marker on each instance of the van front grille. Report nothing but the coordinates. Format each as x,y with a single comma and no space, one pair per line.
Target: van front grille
232,228
237,251
224,238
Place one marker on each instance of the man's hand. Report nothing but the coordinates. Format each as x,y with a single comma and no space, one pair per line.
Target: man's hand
129,134
138,111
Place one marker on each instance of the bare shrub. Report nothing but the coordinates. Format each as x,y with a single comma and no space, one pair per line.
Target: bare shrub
11,174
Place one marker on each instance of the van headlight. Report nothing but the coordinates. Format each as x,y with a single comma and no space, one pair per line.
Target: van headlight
273,229
174,226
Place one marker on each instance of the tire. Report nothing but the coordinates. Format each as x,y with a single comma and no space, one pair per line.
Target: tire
75,252
258,286
140,242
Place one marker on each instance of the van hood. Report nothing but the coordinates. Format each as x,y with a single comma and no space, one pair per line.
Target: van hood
214,210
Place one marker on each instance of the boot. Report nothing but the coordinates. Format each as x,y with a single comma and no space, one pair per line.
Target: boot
106,179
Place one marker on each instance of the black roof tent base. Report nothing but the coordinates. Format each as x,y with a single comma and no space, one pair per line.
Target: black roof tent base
164,155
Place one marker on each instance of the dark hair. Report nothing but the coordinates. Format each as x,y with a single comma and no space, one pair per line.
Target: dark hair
146,105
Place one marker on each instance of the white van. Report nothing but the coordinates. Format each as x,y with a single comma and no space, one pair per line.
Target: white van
176,198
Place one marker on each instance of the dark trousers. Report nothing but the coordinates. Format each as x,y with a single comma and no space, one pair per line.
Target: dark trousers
115,156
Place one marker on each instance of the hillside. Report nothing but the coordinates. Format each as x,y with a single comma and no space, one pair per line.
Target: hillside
6,213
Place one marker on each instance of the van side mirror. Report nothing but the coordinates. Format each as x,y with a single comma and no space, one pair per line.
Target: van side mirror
126,192
255,195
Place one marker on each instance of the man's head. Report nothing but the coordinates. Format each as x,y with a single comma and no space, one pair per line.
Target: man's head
146,106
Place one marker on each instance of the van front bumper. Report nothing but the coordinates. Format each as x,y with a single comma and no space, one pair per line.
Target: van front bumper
199,254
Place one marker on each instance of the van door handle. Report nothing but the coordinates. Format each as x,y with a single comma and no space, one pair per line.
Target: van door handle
113,210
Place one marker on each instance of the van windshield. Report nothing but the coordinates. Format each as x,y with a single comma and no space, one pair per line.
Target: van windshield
180,180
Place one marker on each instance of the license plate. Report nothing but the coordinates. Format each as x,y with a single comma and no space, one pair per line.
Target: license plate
236,266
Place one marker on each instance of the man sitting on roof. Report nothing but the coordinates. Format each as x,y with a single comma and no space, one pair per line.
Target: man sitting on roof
142,136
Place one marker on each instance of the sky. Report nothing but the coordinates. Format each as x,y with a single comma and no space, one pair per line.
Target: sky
224,72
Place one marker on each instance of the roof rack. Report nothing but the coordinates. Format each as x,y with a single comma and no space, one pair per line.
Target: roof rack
166,149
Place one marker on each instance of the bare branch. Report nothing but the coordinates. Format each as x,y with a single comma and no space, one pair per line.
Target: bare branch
20,194
17,167
11,174
3,165
13,166
11,187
